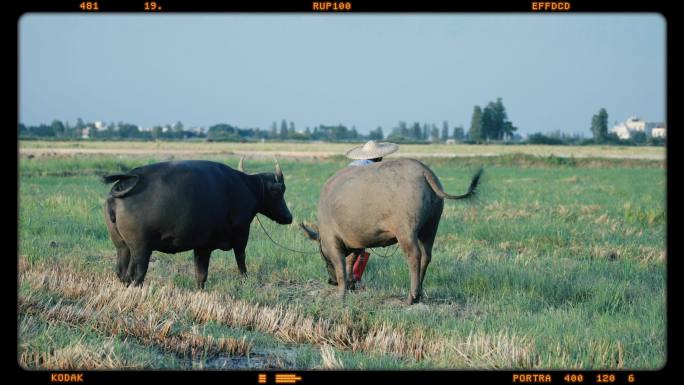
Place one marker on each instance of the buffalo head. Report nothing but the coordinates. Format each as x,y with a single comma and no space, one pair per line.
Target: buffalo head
272,194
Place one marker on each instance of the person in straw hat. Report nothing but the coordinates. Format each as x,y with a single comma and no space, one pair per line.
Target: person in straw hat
369,153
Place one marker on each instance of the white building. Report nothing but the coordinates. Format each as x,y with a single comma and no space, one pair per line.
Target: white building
633,124
99,125
658,132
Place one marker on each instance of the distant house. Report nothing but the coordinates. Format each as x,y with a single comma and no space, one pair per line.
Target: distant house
625,130
658,132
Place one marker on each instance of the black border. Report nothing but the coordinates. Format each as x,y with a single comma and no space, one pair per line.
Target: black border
358,6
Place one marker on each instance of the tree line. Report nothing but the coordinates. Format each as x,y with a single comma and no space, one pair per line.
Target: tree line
218,132
487,125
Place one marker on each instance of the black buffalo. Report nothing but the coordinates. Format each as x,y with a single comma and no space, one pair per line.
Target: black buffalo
188,205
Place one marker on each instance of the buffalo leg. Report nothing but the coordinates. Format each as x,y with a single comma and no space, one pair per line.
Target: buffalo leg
123,259
426,240
338,260
140,260
412,252
240,259
123,253
201,266
239,250
350,260
425,258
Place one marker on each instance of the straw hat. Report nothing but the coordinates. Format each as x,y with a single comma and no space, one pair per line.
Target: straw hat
372,150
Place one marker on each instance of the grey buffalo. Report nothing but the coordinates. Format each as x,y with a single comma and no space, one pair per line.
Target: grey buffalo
379,205
188,205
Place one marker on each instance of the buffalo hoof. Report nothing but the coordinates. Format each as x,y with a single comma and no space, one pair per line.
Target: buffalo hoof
126,280
410,300
351,285
331,282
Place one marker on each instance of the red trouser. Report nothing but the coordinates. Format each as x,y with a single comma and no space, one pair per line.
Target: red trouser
360,265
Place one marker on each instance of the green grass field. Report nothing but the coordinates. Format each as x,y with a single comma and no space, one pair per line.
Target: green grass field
556,264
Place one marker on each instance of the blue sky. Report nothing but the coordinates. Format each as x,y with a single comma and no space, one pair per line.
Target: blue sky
367,70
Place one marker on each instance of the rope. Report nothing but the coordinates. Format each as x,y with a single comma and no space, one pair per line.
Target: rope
279,245
316,252
385,256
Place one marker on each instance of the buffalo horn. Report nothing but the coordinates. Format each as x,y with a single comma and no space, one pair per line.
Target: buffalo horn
241,164
278,171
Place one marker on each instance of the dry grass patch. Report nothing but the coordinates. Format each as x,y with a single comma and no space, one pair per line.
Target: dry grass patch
151,313
149,328
75,357
484,351
328,358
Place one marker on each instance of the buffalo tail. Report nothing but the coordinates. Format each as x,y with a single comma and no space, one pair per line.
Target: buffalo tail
430,177
125,183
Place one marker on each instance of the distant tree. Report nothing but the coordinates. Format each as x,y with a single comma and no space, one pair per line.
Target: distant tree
416,132
376,134
639,137
495,124
509,130
475,132
307,132
110,131
403,129
58,127
68,130
291,130
539,138
177,129
156,132
488,122
500,119
283,129
599,126
223,132
127,130
42,130
458,133
434,134
274,131
79,124
445,131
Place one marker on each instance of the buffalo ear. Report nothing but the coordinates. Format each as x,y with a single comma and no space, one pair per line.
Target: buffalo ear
310,232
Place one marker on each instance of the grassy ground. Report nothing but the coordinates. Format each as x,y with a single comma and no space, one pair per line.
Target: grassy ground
557,264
